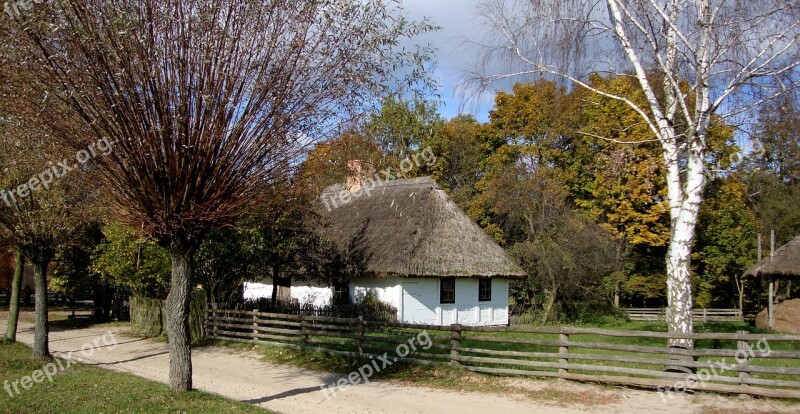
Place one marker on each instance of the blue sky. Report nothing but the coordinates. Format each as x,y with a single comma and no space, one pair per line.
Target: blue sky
459,23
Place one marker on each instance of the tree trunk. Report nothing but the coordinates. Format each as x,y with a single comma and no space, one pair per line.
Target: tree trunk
679,277
740,289
275,281
178,334
13,301
679,295
41,346
551,301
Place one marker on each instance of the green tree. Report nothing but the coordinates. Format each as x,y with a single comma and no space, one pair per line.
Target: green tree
72,273
400,126
326,164
725,245
777,129
131,263
461,149
222,265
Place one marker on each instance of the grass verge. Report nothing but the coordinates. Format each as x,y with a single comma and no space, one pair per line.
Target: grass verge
86,389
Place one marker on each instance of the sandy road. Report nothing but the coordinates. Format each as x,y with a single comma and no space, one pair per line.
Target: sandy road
245,377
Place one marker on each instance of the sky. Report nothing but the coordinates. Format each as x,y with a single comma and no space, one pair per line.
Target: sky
458,23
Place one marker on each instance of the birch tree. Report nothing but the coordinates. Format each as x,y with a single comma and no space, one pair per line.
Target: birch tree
693,59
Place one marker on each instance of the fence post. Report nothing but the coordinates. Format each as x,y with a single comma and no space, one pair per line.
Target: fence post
705,315
455,345
255,327
743,349
361,339
212,318
303,331
208,319
563,350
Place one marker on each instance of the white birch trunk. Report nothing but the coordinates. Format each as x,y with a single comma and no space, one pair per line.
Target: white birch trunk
685,193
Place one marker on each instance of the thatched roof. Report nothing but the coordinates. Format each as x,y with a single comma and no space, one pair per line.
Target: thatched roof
785,262
410,227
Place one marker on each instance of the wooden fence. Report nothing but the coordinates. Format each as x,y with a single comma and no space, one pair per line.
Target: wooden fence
741,363
699,315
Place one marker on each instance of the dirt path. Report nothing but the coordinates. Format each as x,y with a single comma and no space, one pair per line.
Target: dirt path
245,377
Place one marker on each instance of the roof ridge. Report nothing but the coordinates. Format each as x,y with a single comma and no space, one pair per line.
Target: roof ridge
396,183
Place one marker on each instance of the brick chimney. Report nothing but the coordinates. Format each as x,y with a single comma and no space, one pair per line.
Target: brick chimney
358,172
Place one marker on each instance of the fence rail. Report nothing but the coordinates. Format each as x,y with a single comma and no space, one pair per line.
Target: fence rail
742,363
699,315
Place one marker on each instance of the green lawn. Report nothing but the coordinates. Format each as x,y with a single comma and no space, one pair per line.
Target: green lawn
86,389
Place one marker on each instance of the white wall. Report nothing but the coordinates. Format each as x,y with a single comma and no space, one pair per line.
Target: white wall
421,303
416,299
312,293
387,289
253,290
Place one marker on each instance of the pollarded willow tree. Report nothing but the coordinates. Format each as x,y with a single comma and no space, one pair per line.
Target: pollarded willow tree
43,197
694,60
206,101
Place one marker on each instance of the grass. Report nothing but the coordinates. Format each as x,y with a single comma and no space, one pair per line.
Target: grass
86,389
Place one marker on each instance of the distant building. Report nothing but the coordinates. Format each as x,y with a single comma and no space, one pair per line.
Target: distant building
415,249
7,270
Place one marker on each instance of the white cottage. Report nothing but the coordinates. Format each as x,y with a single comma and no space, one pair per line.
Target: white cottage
415,249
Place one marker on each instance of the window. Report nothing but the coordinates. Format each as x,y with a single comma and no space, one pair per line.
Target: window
447,290
341,292
484,289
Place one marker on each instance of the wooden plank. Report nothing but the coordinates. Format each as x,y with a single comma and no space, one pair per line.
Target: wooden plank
637,360
321,341
633,348
591,367
398,342
351,321
259,328
634,334
263,321
254,313
407,333
220,333
409,326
